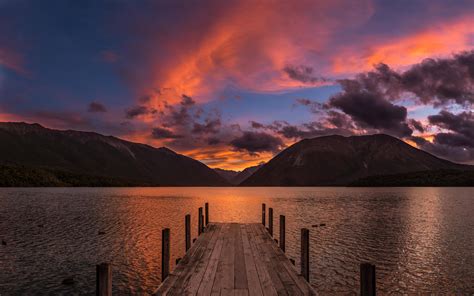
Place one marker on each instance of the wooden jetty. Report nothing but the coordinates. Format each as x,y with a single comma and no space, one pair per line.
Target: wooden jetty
235,259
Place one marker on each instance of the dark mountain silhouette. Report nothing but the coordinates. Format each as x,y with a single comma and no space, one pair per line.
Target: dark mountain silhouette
338,160
32,148
227,174
243,175
236,177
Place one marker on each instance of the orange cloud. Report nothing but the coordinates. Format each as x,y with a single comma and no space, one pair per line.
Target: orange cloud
437,41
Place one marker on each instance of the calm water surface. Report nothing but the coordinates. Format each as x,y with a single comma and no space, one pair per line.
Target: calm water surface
421,239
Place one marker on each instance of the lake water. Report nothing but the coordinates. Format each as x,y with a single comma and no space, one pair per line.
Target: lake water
421,239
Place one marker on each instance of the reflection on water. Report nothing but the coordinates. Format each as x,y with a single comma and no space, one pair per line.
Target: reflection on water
421,239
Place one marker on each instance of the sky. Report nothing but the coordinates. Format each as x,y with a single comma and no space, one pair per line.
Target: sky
232,83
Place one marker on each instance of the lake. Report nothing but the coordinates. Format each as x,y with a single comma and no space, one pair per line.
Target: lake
421,239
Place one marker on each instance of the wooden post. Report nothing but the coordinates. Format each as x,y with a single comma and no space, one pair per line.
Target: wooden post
187,234
103,279
282,233
165,253
305,253
367,279
263,214
270,221
206,208
200,221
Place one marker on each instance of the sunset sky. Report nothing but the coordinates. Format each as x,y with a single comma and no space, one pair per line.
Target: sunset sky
231,83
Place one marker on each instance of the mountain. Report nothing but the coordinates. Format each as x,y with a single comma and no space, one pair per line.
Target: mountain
338,160
236,177
227,174
33,148
243,175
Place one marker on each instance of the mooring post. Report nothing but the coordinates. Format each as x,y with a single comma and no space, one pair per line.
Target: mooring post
187,233
305,253
200,221
103,279
282,233
367,279
263,214
165,253
270,221
206,208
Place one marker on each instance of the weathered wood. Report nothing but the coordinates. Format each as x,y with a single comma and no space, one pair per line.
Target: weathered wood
282,233
165,253
263,214
270,221
187,232
206,210
200,222
367,279
305,253
103,279
235,259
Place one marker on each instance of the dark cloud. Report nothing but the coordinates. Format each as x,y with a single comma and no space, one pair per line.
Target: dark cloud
256,125
456,141
211,126
95,107
433,81
417,125
255,142
303,74
462,123
163,133
314,106
187,100
138,111
369,109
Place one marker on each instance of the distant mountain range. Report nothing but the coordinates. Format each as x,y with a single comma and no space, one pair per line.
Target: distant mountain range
237,177
32,155
87,158
338,160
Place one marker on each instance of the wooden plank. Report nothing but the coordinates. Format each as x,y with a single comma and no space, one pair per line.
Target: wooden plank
305,253
223,265
273,264
207,282
182,267
200,269
262,251
186,266
304,286
187,232
253,280
240,270
367,279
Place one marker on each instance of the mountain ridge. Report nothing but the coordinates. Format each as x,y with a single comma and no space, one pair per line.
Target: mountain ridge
78,152
338,160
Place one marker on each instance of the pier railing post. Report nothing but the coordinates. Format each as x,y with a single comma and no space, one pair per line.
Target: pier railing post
187,234
103,279
367,279
263,214
270,221
206,208
200,221
165,253
282,233
305,253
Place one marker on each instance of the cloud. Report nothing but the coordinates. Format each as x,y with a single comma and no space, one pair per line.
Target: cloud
255,142
211,126
417,125
137,111
371,110
461,127
95,107
163,133
109,56
303,74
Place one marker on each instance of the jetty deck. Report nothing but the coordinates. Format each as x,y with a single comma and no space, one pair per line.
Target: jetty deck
235,259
